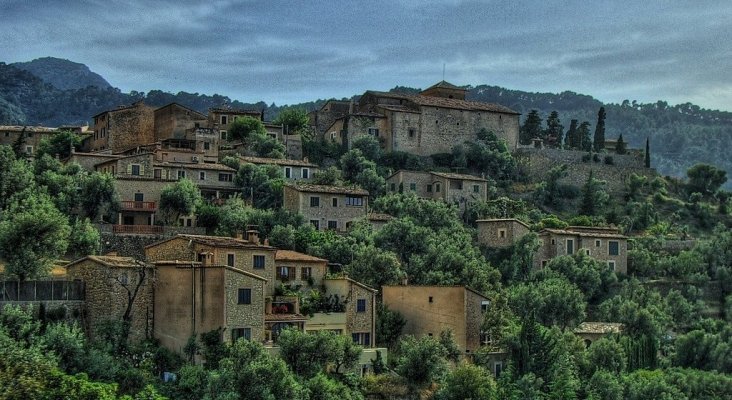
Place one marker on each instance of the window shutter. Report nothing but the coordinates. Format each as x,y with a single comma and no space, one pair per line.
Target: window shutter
142,169
129,169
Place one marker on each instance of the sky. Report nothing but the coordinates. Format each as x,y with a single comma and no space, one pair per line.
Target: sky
289,52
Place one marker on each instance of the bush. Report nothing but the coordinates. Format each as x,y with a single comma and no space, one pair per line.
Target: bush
609,160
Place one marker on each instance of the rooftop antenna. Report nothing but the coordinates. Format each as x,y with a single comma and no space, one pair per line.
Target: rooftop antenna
443,72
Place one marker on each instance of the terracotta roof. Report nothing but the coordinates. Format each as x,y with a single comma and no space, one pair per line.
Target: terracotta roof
276,161
502,220
35,129
445,85
201,116
379,217
583,234
392,95
284,317
599,327
289,255
465,177
110,261
215,167
216,241
443,102
233,111
302,187
390,107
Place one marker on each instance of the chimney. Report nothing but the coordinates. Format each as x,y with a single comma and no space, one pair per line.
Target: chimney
111,254
253,236
239,235
306,160
350,107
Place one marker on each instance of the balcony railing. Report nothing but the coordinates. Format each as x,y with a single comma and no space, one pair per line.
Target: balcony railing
138,229
139,206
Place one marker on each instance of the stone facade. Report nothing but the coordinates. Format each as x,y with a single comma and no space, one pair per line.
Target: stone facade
452,188
604,244
107,280
220,119
430,310
358,322
500,233
173,121
324,118
538,162
293,170
32,136
123,128
326,207
294,268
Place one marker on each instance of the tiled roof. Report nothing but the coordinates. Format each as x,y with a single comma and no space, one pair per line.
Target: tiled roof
444,85
110,261
215,241
583,234
302,187
276,161
289,255
215,167
390,107
465,177
233,111
379,217
199,115
502,220
35,129
599,327
442,102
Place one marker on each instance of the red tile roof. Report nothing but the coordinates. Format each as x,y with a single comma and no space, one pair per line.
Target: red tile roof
289,255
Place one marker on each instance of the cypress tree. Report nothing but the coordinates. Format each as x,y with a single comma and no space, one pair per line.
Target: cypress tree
620,145
648,154
531,128
583,136
599,139
569,141
554,130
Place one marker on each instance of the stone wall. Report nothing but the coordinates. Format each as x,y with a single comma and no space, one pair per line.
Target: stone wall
342,214
489,232
124,128
538,162
174,120
244,315
473,320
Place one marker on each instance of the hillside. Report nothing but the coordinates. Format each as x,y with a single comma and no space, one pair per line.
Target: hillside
682,135
63,74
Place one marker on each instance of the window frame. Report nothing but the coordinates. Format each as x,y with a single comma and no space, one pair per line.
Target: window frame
244,296
258,261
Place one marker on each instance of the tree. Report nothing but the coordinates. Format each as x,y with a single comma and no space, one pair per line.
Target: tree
180,198
330,176
375,267
244,128
599,138
98,194
33,234
468,381
705,179
294,121
554,132
594,197
620,146
84,239
606,354
15,176
647,159
422,360
369,146
553,301
531,128
266,181
447,340
571,141
389,325
310,354
583,136
59,144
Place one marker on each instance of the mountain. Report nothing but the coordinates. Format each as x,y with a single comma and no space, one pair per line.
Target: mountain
63,74
680,135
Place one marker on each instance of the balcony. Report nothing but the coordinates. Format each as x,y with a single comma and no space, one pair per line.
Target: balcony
138,229
139,206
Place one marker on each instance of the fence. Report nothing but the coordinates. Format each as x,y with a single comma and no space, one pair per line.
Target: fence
48,290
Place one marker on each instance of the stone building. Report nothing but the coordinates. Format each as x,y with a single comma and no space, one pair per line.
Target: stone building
602,243
323,118
29,137
429,310
220,119
173,121
326,207
449,187
500,233
122,129
114,286
428,123
378,220
591,331
293,170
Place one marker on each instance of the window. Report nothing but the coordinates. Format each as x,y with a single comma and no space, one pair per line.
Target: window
334,202
613,248
230,259
224,119
288,172
201,175
239,333
412,132
305,173
430,299
223,134
476,188
333,225
356,201
456,185
157,173
136,169
437,187
554,241
362,338
393,187
502,233
245,296
498,368
225,177
7,134
611,264
181,174
374,132
206,146
361,305
315,223
285,273
413,186
139,197
314,201
258,261
544,263
597,243
570,246
429,188
306,272
484,305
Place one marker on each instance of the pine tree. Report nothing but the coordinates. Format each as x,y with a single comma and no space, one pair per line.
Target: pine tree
620,146
554,130
583,136
599,139
648,154
569,141
593,196
531,128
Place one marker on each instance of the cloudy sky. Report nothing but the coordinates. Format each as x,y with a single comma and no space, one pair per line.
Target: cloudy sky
288,52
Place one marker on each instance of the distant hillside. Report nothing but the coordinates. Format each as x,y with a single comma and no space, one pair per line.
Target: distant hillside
63,74
680,135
